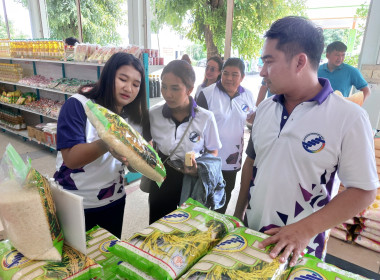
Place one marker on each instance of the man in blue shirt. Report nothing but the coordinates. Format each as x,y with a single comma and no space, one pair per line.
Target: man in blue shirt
342,76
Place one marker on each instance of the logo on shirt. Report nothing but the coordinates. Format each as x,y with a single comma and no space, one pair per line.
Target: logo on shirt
194,137
245,108
313,143
305,273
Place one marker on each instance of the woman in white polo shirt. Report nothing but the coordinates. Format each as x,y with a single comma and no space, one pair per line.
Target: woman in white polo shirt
168,123
232,106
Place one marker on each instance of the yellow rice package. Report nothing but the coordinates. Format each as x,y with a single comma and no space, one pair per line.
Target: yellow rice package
169,247
74,266
237,256
310,267
27,210
126,141
98,241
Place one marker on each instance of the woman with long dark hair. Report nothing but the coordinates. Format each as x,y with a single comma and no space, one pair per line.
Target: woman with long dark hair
85,164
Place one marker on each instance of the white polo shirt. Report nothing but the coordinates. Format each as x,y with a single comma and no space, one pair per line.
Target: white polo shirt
298,157
230,114
203,132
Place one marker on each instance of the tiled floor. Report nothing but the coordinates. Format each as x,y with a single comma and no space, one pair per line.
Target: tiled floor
136,211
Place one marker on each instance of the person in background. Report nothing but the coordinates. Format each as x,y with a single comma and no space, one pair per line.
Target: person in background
71,41
302,140
213,73
178,125
186,58
341,75
86,166
232,106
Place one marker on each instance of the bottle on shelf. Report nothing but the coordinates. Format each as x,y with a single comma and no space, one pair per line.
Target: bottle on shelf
158,86
152,87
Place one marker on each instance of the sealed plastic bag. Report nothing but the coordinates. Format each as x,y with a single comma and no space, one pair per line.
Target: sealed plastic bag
238,257
170,246
74,266
126,141
27,210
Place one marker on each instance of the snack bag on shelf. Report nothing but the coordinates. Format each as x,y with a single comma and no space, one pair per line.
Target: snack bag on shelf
169,247
74,265
98,241
310,267
126,141
27,209
237,256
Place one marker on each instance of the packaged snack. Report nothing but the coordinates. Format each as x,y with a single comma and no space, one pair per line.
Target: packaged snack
126,141
236,257
27,210
310,267
74,265
169,247
98,241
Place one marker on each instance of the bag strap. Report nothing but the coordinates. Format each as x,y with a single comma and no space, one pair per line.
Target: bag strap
180,141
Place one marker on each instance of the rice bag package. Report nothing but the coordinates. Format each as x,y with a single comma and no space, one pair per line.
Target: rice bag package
27,210
98,240
310,267
170,246
74,265
126,141
237,256
128,271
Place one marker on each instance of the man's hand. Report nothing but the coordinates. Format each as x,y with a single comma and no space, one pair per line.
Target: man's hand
191,170
291,239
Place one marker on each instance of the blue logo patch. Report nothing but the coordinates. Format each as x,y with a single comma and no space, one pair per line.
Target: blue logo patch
13,259
313,143
194,137
245,108
106,244
305,273
232,243
176,217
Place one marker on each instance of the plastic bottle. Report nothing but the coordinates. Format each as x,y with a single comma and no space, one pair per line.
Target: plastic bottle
152,87
158,86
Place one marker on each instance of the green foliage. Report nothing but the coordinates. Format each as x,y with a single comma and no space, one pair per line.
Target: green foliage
251,19
196,51
15,34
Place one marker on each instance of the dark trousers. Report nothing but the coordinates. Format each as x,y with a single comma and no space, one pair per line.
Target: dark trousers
109,217
165,199
230,178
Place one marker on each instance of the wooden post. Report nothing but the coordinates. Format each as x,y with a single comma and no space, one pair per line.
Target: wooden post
80,30
229,20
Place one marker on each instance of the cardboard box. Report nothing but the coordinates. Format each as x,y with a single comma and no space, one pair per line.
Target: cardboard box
40,135
31,131
50,138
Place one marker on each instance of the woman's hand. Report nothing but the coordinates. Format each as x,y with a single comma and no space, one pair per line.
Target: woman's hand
119,157
191,170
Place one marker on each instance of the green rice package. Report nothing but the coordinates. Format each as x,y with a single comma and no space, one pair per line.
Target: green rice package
27,210
237,256
126,141
310,267
169,247
128,271
74,265
98,241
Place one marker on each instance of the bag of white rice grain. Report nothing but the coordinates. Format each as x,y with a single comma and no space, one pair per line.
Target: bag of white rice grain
126,141
237,256
74,266
27,210
169,247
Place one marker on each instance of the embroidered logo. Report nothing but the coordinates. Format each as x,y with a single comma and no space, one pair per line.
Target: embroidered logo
194,137
245,108
313,143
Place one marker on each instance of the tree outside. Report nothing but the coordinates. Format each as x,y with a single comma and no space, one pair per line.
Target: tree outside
203,22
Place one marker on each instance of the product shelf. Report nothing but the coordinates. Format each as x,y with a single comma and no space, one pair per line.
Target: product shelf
35,87
22,107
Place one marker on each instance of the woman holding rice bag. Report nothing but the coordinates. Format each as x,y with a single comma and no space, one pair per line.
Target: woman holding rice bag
177,127
86,166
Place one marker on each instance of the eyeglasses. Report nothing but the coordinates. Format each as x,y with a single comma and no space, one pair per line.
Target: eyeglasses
234,75
211,68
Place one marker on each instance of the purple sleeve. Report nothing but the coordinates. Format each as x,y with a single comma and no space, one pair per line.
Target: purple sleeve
71,124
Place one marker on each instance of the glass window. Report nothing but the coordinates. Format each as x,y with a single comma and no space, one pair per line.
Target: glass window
18,20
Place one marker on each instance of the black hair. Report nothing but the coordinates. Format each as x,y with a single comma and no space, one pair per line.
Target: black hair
237,62
296,35
182,70
336,46
219,61
71,41
103,92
